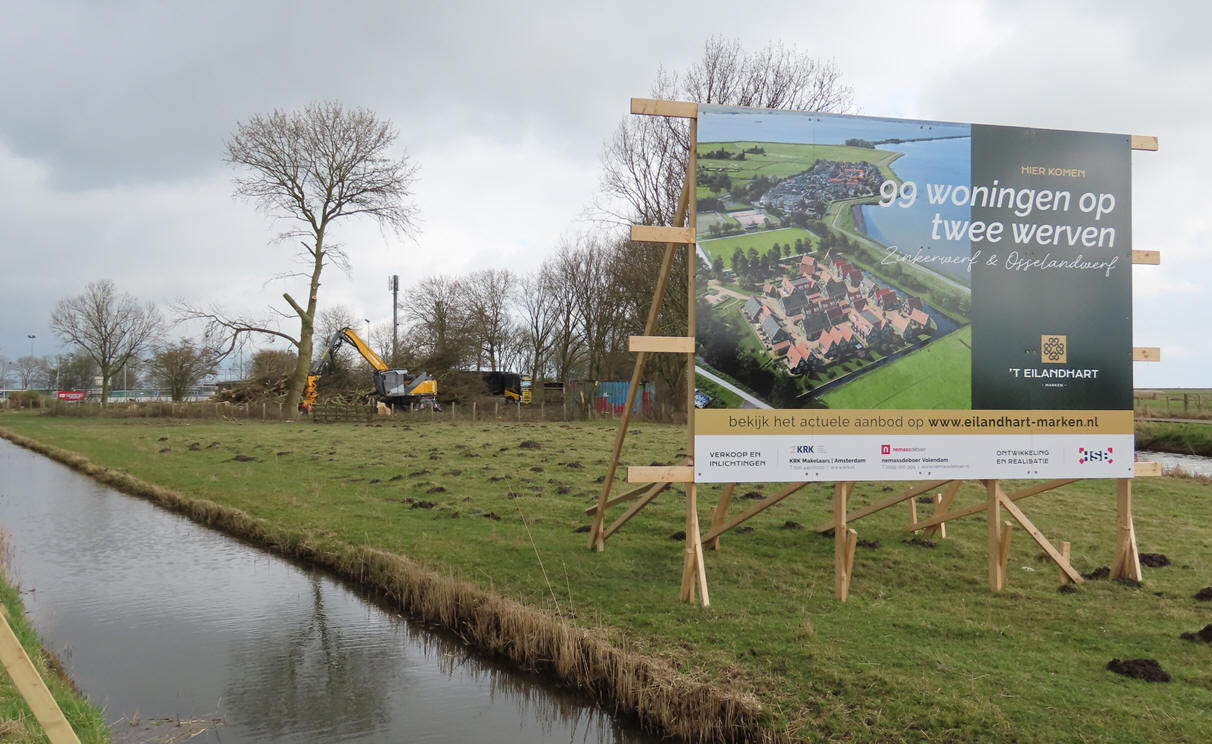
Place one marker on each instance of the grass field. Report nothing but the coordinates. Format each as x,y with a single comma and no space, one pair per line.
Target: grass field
761,241
922,651
937,376
782,160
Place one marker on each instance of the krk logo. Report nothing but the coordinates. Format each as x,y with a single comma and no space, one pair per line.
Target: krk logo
806,449
1096,455
885,449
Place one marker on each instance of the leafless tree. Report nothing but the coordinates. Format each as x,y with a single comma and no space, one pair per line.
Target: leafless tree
111,328
438,338
180,366
487,298
30,371
538,305
644,164
312,168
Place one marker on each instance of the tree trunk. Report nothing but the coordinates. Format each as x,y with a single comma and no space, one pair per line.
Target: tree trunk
298,379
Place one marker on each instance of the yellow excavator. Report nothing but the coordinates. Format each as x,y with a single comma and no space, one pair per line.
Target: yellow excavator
395,387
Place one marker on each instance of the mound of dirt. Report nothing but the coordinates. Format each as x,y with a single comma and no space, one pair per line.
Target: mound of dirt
1102,572
922,542
530,444
792,525
1205,594
679,535
925,499
1154,560
422,505
1204,635
752,495
582,528
1067,589
1146,669
873,544
244,458
743,530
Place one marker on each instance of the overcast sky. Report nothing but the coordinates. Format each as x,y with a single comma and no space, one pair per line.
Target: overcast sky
114,117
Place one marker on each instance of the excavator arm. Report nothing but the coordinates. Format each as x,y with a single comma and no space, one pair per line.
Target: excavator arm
389,383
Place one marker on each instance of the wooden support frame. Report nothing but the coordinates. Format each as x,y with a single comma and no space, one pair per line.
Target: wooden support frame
681,235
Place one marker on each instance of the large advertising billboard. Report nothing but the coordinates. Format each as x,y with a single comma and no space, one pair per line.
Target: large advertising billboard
891,299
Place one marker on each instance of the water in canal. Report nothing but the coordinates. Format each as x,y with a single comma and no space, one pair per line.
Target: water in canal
156,617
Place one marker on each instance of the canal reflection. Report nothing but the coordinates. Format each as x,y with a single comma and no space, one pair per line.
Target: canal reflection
156,617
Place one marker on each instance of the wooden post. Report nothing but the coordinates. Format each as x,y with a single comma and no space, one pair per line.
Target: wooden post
718,513
27,681
1003,550
841,567
994,521
1065,548
1126,563
913,513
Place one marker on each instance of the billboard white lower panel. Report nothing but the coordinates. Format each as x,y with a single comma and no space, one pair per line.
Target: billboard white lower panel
793,457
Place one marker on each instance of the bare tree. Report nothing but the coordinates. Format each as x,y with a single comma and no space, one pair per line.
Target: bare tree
487,297
538,305
111,328
438,338
312,168
644,164
181,366
30,371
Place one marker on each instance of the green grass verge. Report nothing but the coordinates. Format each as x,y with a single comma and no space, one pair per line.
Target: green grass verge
1168,436
938,376
922,651
721,396
762,241
17,722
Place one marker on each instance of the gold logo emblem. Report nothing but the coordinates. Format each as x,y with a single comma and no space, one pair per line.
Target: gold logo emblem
1054,349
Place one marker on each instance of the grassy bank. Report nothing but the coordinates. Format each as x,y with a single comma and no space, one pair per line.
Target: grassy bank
17,723
477,525
1172,436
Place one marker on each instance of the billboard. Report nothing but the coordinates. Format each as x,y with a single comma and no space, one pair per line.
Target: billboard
891,299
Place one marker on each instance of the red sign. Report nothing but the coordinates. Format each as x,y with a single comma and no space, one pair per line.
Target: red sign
71,395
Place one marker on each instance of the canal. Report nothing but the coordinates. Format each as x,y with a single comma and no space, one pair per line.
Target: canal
156,617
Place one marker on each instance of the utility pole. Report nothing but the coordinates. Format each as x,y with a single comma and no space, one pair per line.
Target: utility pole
393,284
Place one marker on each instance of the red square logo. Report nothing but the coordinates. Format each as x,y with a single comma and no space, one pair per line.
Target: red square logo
885,449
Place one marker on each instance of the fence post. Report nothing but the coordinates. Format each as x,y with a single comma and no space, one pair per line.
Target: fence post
473,411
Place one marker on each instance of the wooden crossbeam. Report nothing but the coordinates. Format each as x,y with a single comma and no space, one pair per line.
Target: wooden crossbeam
655,107
661,344
1016,496
1038,537
627,496
1146,469
757,508
1144,142
660,234
1148,258
660,474
884,504
1146,354
653,491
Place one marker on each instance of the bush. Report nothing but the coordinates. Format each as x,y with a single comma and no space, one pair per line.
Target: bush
26,399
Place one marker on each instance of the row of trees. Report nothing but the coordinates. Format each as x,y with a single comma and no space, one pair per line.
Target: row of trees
324,165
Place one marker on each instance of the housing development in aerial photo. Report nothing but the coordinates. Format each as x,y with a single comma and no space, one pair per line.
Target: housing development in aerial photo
823,284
